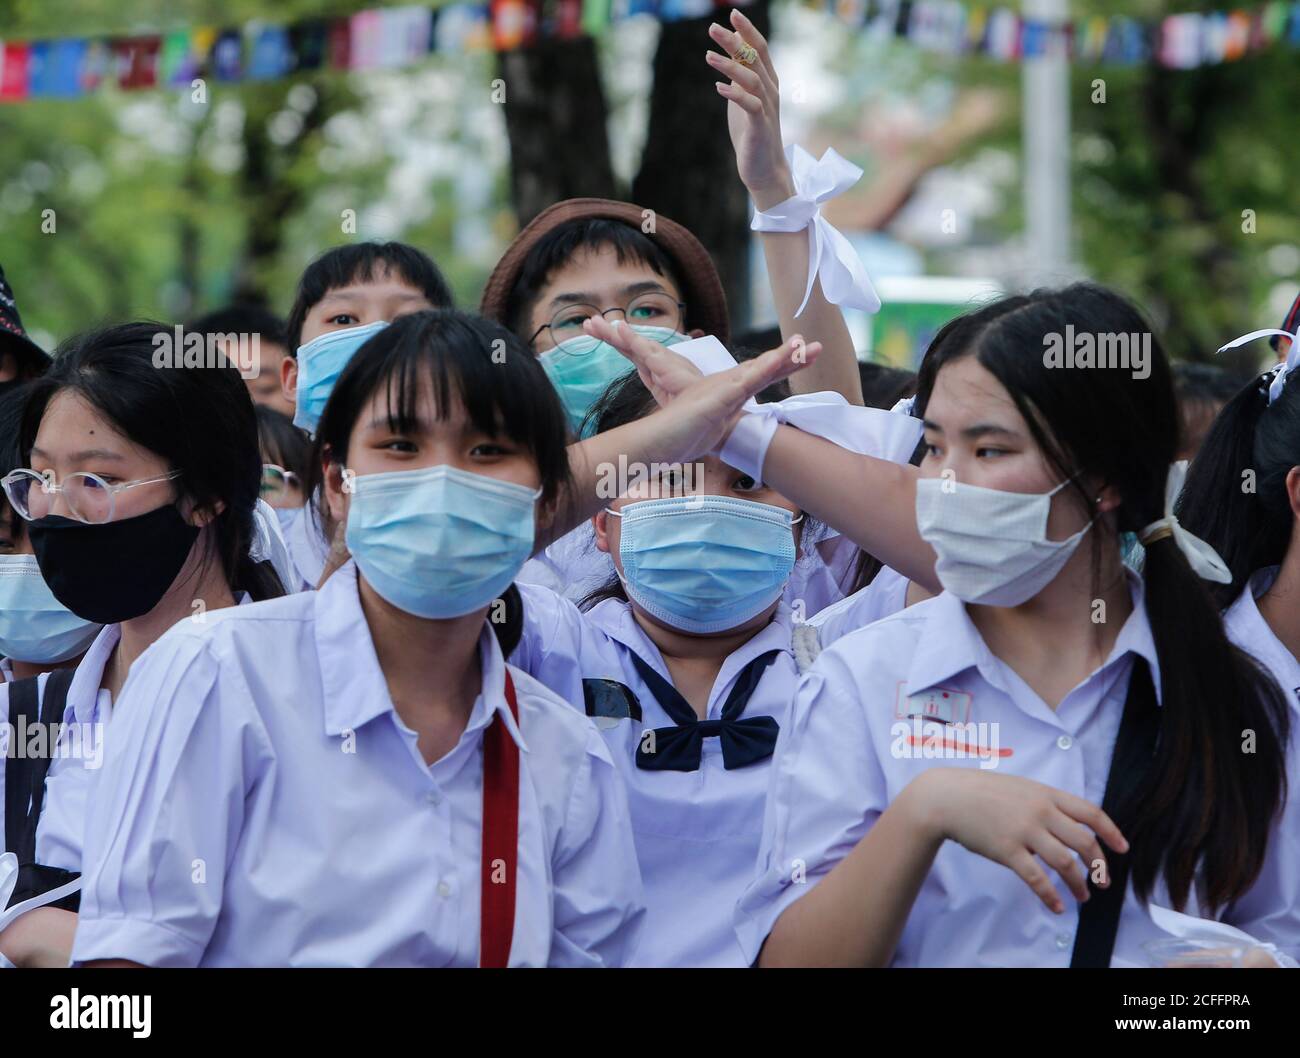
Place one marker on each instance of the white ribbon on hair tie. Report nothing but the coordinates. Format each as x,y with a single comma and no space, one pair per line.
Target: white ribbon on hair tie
866,431
1280,372
1203,559
830,255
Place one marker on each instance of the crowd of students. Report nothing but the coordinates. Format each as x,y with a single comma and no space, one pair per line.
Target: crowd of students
573,632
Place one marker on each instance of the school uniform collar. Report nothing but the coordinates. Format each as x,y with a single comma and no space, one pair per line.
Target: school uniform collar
83,691
941,655
352,683
1246,624
615,618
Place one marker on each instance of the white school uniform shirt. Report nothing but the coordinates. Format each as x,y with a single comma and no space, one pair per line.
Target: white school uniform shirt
886,594
1246,627
6,670
573,567
696,832
841,761
263,749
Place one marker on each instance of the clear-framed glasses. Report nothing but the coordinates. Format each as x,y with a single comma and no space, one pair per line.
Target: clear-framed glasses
644,310
89,497
278,484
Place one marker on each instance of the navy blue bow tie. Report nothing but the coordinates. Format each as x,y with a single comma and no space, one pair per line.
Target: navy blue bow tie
678,748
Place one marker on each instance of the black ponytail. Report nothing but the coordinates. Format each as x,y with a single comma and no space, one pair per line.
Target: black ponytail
1235,498
1202,816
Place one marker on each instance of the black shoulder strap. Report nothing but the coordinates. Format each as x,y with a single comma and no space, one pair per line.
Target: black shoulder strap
24,702
1129,763
24,775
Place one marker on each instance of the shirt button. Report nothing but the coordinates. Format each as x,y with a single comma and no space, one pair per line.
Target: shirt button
444,890
1065,742
433,797
1063,940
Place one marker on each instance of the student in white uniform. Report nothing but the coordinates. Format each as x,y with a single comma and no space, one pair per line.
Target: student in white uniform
1255,441
344,296
590,257
138,486
1048,712
37,632
337,760
686,659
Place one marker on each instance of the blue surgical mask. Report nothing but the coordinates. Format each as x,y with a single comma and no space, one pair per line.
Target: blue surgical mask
439,542
582,368
705,564
34,625
320,362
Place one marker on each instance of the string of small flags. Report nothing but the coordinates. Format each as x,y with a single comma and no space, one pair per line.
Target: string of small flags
395,37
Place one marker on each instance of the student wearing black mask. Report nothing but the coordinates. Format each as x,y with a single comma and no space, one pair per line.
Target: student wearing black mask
138,485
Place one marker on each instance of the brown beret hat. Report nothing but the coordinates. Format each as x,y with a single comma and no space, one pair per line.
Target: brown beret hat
706,304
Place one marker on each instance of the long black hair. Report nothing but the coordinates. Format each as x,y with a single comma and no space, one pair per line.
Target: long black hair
473,361
1202,815
198,418
1235,498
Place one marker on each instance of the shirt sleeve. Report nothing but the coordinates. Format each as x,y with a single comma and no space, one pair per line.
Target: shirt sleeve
825,791
551,648
885,595
166,810
598,901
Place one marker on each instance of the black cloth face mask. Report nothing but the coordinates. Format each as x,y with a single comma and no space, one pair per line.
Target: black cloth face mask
116,571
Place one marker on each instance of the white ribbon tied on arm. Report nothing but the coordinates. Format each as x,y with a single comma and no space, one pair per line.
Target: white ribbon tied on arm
1203,559
831,257
866,431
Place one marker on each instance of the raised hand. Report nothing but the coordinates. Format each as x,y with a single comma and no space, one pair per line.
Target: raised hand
703,408
753,111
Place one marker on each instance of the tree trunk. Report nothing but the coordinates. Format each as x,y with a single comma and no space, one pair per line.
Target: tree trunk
688,170
555,120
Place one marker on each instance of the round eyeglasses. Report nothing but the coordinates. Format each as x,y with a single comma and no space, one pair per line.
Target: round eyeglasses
89,497
278,484
645,310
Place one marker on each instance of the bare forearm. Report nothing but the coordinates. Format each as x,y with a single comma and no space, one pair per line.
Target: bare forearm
591,462
40,938
836,369
870,501
856,914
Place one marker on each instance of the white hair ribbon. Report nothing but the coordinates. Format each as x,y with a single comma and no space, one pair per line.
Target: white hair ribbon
830,255
1203,559
1280,372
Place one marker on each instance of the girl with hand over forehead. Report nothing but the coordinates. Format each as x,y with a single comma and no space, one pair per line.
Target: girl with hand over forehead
687,659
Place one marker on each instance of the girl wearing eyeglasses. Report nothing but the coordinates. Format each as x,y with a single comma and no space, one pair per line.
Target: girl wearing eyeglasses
138,492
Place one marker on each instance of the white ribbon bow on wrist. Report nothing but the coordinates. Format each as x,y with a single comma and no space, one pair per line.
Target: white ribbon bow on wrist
830,255
866,431
1203,559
